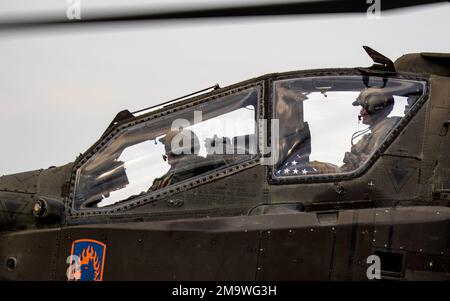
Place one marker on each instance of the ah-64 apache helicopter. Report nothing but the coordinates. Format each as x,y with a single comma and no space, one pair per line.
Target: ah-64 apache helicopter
289,176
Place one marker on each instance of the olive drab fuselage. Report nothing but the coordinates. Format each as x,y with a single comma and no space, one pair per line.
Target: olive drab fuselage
239,220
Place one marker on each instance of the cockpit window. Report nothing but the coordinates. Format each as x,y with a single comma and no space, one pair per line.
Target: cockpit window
333,125
169,150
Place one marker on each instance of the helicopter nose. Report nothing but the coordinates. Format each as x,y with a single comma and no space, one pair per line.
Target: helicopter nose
16,196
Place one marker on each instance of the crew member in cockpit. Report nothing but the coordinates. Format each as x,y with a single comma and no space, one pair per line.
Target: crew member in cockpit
376,105
181,152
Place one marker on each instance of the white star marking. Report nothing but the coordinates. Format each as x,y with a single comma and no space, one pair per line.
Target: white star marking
294,162
304,171
286,171
295,171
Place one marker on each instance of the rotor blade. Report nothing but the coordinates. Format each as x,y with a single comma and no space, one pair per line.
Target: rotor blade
307,7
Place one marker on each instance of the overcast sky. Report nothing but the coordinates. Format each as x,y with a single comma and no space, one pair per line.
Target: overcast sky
59,89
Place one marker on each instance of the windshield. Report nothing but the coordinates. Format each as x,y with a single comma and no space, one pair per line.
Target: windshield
157,154
334,124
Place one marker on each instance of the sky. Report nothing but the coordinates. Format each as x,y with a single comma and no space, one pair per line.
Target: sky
60,88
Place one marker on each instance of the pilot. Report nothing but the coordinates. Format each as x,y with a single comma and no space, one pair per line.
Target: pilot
181,152
376,105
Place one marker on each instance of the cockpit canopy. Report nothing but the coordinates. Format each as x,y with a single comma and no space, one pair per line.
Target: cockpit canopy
327,125
136,161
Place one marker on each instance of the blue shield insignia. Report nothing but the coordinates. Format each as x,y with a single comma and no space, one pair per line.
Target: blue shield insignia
87,260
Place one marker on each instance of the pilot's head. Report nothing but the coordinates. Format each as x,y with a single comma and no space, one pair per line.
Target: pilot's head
179,143
375,105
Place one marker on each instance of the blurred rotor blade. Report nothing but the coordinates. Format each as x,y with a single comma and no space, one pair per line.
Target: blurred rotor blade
306,7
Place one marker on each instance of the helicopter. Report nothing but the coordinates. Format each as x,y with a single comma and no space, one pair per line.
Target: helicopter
301,175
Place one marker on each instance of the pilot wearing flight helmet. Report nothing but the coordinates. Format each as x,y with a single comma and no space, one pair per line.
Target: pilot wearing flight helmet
376,105
181,152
